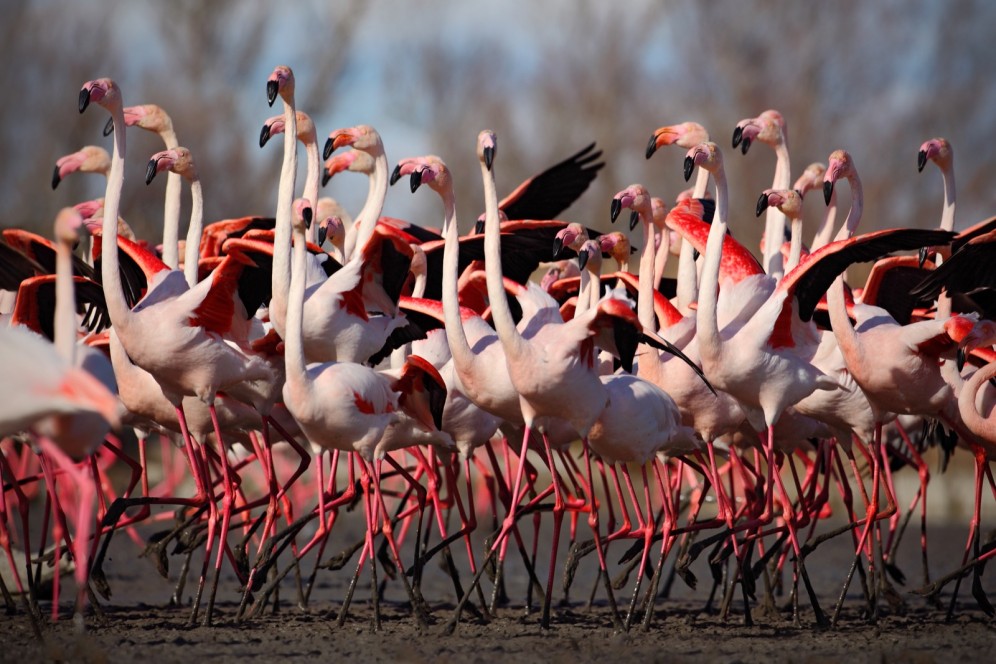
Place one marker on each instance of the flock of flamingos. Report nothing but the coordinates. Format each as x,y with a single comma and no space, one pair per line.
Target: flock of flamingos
298,366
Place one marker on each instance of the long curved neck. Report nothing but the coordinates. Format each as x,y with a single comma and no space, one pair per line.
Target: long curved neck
795,248
311,184
774,227
645,304
65,303
109,272
857,205
706,323
948,216
688,278
500,312
981,426
171,212
293,344
192,250
825,231
366,220
285,199
456,337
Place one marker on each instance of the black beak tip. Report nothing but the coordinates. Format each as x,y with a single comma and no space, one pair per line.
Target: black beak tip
762,205
489,157
651,146
325,178
55,178
745,145
396,174
827,192
84,99
614,209
961,359
322,233
634,219
264,135
738,134
479,227
307,215
271,92
150,171
327,150
558,245
109,127
921,160
689,167
415,181
582,259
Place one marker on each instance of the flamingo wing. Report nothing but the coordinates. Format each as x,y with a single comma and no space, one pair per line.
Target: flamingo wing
969,269
35,305
546,195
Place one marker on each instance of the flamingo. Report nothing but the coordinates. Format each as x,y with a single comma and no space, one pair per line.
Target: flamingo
769,128
88,159
172,332
365,139
308,136
685,135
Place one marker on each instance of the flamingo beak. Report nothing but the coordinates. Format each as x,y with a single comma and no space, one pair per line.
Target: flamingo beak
264,135
614,209
827,191
582,259
762,205
395,174
745,145
415,180
329,147
689,167
272,87
738,134
479,227
651,146
326,177
307,214
921,160
109,127
961,359
84,99
322,233
489,157
56,178
558,245
150,171
634,219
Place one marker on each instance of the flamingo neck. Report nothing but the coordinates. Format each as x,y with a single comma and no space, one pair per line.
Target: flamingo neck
660,258
594,285
109,270
65,304
982,427
294,321
171,211
500,312
311,184
645,304
285,199
948,216
795,248
366,220
456,337
191,253
688,278
857,205
825,231
774,226
706,323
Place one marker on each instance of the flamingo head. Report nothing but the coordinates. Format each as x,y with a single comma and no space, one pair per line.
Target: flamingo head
178,160
769,127
616,245
281,82
788,201
550,277
590,255
68,226
90,159
101,91
360,137
705,155
658,211
572,236
354,161
150,117
333,230
487,144
685,135
839,165
634,197
430,170
811,178
89,209
301,218
937,150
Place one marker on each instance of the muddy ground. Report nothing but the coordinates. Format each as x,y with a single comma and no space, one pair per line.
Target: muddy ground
138,623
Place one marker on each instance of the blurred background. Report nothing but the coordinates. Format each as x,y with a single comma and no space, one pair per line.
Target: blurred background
875,78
